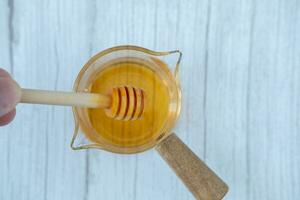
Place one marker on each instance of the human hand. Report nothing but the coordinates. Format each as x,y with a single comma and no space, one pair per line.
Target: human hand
10,95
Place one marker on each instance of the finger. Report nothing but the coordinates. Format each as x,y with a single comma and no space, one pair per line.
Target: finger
4,73
10,93
7,117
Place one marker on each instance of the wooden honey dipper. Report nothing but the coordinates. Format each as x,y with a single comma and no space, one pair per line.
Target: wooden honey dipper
121,103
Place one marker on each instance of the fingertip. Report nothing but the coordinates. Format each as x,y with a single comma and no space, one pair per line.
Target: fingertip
10,94
4,73
7,118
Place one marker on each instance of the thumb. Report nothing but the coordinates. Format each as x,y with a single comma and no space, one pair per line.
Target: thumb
10,93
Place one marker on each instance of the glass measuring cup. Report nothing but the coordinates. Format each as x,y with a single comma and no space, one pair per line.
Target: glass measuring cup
201,181
100,63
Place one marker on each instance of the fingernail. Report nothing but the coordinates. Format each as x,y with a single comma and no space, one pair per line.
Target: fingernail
5,119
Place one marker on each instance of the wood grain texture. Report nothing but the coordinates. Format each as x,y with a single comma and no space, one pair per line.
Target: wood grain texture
240,77
193,172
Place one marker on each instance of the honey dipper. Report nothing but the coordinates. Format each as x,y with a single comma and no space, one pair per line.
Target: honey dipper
121,103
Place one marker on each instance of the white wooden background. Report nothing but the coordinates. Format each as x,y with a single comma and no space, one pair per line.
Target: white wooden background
240,75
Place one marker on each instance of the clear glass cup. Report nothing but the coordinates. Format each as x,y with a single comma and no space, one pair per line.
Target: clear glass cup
161,63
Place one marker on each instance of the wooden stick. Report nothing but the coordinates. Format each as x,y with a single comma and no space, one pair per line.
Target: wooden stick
195,174
89,100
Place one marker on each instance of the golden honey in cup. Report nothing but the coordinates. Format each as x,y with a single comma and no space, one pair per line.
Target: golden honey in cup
136,67
135,73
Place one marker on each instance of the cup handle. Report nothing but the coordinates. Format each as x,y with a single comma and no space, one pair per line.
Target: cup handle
195,174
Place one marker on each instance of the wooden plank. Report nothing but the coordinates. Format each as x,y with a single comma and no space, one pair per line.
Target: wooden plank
48,49
273,107
4,132
228,38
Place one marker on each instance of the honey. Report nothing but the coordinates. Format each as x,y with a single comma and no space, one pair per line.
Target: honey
136,132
